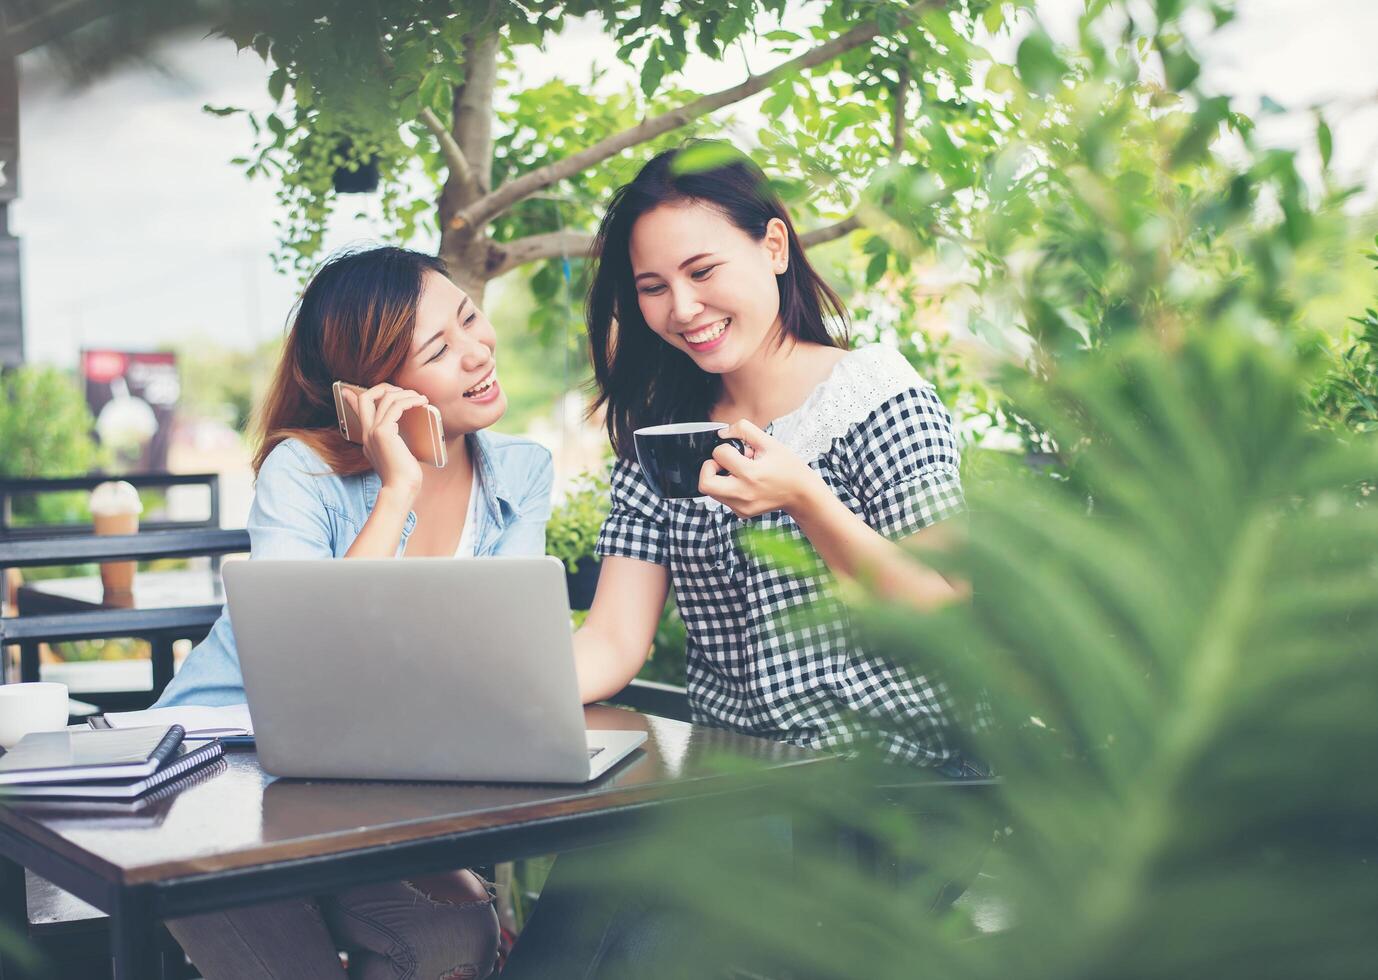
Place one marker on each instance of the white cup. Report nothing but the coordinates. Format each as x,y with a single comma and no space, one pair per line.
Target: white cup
35,707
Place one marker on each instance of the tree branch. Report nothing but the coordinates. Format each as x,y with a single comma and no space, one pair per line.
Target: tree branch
488,207
455,159
506,256
830,233
897,119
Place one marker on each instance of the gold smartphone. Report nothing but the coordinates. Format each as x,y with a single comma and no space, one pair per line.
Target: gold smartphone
420,426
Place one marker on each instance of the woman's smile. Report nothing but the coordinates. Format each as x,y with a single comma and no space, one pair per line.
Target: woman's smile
486,390
706,338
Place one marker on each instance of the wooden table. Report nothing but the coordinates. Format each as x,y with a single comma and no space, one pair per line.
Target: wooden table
242,837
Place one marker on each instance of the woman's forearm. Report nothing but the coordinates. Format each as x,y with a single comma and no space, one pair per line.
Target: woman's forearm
379,536
602,666
851,548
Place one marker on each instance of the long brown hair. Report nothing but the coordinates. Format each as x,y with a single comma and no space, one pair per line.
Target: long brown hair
640,378
353,323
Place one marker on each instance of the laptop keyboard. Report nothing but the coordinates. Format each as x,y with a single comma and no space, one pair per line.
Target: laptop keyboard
593,752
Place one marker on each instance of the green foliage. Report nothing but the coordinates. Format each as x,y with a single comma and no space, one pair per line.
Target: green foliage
1171,629
573,527
45,426
46,431
350,81
359,76
1181,687
1080,201
1347,395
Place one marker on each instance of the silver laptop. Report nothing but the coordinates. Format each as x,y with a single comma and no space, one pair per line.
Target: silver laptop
424,668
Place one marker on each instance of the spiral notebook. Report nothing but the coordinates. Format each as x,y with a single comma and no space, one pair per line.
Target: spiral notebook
183,760
144,811
73,756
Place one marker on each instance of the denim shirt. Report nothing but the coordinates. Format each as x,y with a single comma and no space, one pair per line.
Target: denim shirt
303,510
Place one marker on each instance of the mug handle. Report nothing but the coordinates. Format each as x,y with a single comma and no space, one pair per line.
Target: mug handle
736,444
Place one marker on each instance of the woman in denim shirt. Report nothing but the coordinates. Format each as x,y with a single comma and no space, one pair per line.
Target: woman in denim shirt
391,320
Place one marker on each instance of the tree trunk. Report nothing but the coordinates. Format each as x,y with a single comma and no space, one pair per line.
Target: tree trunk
468,259
473,106
467,251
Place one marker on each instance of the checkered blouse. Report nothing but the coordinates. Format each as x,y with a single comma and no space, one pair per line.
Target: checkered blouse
761,658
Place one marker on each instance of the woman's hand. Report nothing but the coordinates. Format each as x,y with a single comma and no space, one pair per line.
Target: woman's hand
769,476
379,409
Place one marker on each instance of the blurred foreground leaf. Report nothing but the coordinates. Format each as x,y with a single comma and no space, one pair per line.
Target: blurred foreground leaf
1178,649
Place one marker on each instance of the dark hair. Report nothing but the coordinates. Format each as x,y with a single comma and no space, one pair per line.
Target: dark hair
640,378
353,323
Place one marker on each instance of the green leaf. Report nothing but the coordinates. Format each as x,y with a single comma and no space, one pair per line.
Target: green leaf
707,37
876,267
1270,107
1180,68
1038,63
1324,141
220,110
653,70
522,31
942,151
777,103
1001,80
848,117
303,94
993,17
277,83
430,89
1204,127
705,156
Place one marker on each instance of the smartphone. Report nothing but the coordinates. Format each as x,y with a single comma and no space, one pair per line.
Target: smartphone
420,426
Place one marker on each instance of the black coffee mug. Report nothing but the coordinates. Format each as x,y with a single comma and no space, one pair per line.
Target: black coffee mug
671,456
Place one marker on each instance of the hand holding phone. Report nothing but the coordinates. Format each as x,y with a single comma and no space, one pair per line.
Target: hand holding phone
396,427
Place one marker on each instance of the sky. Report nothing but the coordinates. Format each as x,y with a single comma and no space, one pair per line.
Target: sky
136,230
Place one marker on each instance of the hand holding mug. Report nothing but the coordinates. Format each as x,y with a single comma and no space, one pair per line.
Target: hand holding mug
767,476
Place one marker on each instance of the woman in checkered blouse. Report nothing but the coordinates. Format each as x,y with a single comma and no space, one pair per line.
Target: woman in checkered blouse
704,306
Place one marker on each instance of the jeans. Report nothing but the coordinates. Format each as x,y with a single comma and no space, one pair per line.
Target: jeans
392,931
